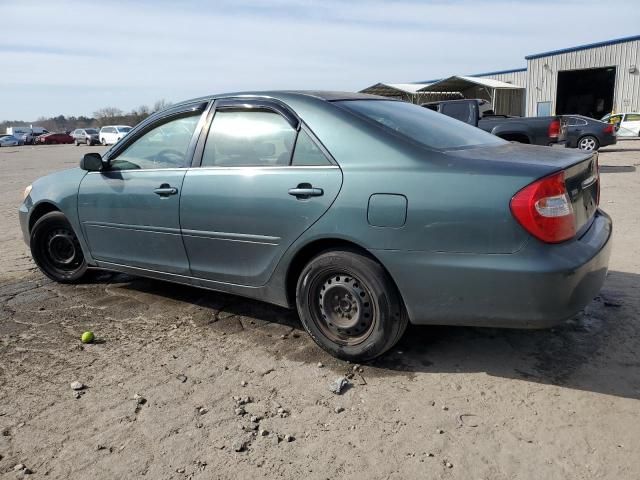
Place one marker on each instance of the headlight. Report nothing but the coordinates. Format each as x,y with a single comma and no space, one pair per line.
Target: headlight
27,191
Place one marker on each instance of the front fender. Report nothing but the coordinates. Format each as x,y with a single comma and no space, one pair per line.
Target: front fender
59,189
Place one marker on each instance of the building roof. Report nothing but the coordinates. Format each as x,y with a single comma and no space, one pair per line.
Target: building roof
499,72
393,88
459,83
584,47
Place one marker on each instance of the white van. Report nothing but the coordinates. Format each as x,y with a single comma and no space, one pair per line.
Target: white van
111,134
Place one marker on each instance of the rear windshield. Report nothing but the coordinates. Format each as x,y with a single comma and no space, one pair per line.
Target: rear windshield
425,126
91,131
124,129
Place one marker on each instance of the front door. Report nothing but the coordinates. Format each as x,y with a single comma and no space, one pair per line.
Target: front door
262,182
130,213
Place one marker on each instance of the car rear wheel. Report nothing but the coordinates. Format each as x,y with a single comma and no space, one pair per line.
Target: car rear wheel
77,143
88,142
588,143
350,306
56,250
103,142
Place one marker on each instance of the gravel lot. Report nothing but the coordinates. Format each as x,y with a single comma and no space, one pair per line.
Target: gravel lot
459,403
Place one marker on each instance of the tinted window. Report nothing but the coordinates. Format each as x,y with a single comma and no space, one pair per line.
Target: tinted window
462,111
91,131
165,146
632,117
429,128
123,129
242,138
307,152
573,122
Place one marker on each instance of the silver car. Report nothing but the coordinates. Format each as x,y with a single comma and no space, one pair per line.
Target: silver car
9,141
88,136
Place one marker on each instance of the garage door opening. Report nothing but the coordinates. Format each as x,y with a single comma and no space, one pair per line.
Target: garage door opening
586,92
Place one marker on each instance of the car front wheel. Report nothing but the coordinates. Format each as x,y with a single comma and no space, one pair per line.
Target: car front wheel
56,250
349,305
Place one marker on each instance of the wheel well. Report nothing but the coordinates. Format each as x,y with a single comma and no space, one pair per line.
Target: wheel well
39,211
306,253
515,137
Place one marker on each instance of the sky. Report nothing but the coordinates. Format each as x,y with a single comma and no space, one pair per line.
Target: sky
74,57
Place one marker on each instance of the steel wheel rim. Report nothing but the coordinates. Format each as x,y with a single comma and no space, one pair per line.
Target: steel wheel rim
342,308
62,250
587,144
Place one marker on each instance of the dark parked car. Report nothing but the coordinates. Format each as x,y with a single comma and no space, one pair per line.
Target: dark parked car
364,213
479,113
88,136
588,134
54,138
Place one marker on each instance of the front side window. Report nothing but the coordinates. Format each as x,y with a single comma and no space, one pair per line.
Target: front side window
420,124
164,146
248,138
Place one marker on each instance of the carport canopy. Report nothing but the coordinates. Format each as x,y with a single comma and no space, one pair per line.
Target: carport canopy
458,83
411,92
505,98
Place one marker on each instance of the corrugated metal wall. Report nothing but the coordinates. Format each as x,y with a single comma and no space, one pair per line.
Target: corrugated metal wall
543,74
510,102
515,78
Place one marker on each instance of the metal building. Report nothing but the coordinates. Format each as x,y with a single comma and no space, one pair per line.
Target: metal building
591,80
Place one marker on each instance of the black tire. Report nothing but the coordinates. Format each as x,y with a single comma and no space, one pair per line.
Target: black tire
588,143
56,250
103,142
77,143
89,142
350,306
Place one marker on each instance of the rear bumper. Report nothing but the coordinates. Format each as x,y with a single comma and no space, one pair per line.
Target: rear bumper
539,286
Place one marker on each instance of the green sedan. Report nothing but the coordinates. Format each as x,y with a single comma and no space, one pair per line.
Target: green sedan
362,212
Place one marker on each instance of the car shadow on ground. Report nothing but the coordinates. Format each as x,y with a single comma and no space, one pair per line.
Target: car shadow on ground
617,168
598,351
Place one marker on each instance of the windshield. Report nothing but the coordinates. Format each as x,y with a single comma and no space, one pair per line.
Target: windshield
91,131
425,126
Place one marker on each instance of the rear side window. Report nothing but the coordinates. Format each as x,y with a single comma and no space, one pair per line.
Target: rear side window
462,111
420,124
632,117
248,138
307,153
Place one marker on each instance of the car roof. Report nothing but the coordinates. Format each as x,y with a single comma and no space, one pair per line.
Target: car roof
327,95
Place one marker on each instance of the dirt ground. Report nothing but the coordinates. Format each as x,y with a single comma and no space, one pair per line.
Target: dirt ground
451,403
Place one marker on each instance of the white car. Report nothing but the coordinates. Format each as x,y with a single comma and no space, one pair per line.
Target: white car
111,134
9,141
629,123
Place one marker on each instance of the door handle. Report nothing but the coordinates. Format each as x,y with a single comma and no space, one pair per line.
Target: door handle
165,190
305,190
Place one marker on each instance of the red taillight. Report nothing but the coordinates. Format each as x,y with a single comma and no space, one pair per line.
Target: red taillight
544,209
608,129
554,128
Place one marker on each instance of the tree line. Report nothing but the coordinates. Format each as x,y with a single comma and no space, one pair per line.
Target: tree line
100,118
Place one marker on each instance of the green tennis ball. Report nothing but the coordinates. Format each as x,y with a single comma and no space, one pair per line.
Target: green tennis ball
88,337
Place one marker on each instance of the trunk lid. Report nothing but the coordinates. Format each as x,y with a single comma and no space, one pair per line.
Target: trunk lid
583,186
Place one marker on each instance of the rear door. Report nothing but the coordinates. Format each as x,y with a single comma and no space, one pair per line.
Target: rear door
263,180
130,213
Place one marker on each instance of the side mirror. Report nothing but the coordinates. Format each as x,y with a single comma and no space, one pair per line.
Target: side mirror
92,162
